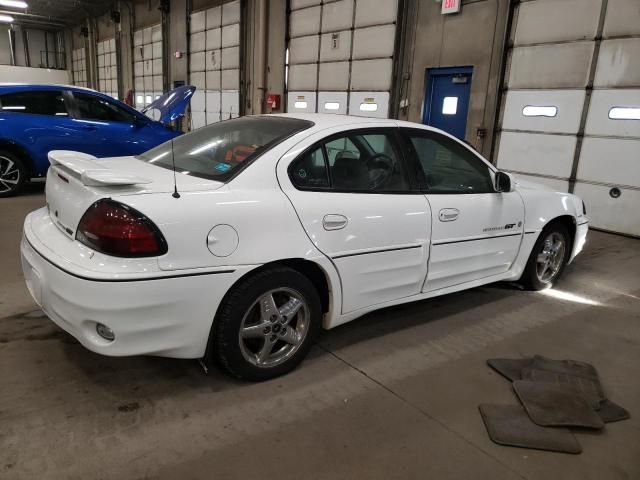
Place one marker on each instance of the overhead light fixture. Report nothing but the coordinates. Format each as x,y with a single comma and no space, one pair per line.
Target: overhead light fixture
13,3
6,19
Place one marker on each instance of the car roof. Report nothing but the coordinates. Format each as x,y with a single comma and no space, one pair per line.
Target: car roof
42,86
325,120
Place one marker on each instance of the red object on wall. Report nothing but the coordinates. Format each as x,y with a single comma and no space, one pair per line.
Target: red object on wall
273,101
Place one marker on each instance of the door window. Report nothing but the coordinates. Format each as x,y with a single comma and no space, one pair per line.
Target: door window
448,166
48,102
356,162
92,107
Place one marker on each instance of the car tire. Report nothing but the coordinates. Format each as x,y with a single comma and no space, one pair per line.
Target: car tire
548,258
266,325
13,174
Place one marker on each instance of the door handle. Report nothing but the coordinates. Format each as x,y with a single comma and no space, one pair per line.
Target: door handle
334,222
448,214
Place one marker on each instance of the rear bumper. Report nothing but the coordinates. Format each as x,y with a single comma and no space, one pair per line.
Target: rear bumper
169,316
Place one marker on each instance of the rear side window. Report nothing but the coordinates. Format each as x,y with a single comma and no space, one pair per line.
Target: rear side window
219,151
92,107
50,102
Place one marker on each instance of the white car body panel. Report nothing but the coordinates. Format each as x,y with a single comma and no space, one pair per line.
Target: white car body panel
392,248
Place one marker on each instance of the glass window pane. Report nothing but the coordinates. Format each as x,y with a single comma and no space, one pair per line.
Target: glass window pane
92,107
40,103
448,166
310,170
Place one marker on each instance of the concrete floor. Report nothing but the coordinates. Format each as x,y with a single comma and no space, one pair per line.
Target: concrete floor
392,395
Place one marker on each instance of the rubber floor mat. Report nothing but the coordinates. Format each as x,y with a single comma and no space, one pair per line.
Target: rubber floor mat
612,412
567,367
509,368
510,425
554,405
590,388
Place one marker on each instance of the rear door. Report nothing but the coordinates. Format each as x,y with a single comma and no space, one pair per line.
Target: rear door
357,203
476,231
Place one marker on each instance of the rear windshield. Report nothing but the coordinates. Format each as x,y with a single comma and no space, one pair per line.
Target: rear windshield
220,151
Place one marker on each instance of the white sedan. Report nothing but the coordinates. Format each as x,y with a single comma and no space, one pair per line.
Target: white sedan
240,241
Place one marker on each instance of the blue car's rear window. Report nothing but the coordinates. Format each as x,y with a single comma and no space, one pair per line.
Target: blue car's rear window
220,151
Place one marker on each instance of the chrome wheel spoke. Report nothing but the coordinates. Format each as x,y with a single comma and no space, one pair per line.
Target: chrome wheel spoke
291,336
549,260
9,165
290,309
254,331
268,308
265,351
542,257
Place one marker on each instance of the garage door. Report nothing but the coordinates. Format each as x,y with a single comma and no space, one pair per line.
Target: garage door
340,56
214,63
571,115
147,66
79,67
108,67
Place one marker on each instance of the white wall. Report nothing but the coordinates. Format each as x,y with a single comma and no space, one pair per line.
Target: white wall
10,73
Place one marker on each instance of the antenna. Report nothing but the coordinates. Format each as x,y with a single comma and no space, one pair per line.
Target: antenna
175,193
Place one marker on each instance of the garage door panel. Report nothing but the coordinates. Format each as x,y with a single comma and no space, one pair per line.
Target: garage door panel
198,80
375,12
139,83
303,77
304,49
156,33
536,24
231,58
196,62
213,101
602,101
552,183
369,104
214,17
374,42
335,46
619,63
301,102
567,102
197,22
334,76
610,160
617,214
230,102
137,38
371,74
230,79
147,51
213,59
623,18
197,42
332,102
231,13
297,4
551,66
198,101
146,35
198,119
214,39
231,35
337,15
214,80
304,22
537,153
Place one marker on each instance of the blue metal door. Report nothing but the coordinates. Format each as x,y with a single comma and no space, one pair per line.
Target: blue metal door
446,101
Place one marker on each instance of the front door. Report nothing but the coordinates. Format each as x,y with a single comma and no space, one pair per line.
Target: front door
447,95
476,231
358,205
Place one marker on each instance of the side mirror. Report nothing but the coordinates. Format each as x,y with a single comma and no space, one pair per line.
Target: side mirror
504,182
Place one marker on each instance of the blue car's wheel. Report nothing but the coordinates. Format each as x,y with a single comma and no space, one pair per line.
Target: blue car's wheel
12,174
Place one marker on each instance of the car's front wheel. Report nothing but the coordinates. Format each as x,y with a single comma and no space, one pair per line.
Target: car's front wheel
266,324
12,174
548,258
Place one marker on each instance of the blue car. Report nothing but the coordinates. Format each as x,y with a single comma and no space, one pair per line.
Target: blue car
35,119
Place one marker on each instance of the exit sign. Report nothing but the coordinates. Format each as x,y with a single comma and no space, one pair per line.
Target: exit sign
451,6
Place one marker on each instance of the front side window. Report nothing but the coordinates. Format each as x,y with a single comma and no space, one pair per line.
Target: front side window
92,107
355,162
48,102
220,150
448,166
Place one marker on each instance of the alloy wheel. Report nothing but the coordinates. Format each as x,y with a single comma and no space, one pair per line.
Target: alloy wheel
551,257
9,175
274,327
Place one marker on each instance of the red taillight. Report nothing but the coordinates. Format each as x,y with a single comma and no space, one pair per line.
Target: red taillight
116,229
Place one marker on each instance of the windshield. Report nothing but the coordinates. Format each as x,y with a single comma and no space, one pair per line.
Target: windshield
220,151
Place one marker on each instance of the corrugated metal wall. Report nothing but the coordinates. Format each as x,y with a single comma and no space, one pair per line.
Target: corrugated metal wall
573,72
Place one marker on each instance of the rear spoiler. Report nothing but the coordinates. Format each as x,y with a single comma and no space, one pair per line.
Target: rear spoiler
90,171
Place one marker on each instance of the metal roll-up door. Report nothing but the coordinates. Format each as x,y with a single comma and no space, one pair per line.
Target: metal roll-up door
340,56
571,111
214,63
79,67
147,66
108,67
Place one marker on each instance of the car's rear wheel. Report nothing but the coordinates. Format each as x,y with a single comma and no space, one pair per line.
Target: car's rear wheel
266,325
548,258
13,174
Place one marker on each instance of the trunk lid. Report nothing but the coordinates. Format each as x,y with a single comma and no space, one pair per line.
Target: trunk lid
76,180
171,105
